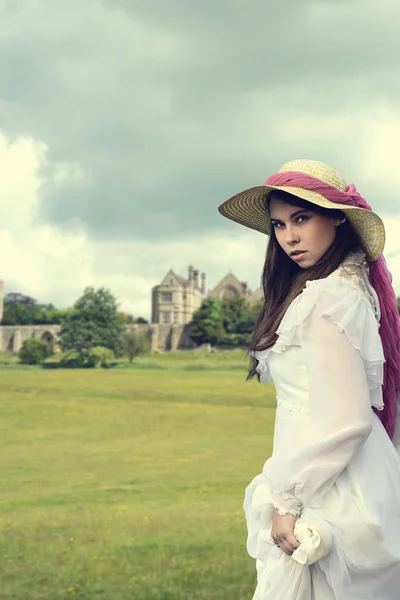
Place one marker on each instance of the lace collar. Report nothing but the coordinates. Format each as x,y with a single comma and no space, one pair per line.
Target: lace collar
356,257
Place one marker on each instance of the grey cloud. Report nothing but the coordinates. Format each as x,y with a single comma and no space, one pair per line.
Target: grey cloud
155,100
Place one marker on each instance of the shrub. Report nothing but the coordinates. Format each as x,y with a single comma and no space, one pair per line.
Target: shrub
99,356
34,352
236,339
134,343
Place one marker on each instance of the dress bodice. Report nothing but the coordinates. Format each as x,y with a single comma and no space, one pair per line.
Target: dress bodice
345,297
289,373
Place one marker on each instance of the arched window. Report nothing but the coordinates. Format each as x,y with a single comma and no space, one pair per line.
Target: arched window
48,338
229,292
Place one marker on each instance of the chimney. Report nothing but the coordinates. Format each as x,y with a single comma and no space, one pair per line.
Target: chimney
203,283
190,270
196,277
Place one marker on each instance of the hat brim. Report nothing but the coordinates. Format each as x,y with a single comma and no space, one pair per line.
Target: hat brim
249,209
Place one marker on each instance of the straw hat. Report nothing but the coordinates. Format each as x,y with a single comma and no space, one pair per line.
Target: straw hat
249,207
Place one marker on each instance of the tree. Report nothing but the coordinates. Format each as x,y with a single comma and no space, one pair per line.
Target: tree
21,298
134,343
234,311
19,309
130,319
126,318
141,320
230,321
50,315
249,318
207,322
94,321
398,303
239,317
24,310
34,352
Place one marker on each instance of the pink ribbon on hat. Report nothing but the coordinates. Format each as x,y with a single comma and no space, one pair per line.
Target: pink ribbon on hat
293,179
381,281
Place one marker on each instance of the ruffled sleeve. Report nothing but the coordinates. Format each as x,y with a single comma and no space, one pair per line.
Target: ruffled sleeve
337,328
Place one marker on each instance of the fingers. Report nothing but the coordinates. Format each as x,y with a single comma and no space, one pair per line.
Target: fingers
286,547
282,532
292,540
288,544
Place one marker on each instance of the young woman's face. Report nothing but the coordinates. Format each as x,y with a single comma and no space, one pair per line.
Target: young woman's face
304,235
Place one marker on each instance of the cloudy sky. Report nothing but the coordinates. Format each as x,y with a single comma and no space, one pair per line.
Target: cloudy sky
125,123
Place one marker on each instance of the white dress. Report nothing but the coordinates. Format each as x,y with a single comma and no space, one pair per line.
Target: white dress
333,463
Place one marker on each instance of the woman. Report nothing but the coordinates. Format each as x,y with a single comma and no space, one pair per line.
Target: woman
324,515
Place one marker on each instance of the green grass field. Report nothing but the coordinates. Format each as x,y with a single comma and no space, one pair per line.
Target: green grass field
128,483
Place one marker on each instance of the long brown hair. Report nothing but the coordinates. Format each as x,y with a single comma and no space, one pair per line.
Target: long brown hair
283,280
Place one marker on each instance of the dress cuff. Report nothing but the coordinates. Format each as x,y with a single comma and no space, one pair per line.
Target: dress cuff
287,503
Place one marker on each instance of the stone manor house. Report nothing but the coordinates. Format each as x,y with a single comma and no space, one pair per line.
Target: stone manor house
173,302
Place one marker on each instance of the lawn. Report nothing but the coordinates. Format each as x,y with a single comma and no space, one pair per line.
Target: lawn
128,483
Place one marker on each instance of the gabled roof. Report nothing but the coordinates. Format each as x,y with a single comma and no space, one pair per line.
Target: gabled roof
229,279
178,280
181,279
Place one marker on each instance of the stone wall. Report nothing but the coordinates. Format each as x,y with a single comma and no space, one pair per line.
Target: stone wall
166,337
12,337
173,337
162,337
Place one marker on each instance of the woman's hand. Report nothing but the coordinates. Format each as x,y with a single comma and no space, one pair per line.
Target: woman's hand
282,531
